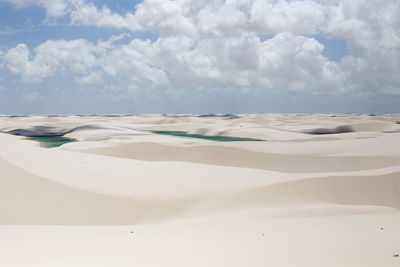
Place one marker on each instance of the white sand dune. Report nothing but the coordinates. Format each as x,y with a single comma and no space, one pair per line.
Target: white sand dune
123,196
379,190
229,156
28,199
61,204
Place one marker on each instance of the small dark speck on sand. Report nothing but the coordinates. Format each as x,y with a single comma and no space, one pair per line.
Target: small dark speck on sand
131,232
396,255
381,228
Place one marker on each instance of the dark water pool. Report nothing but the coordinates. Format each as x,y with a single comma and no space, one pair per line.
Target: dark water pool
207,137
52,141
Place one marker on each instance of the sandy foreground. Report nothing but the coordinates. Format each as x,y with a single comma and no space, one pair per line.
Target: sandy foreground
321,190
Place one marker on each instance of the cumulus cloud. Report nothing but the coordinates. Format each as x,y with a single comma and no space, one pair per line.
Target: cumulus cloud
84,59
373,38
18,62
192,17
286,61
92,78
54,8
367,26
217,43
300,17
76,56
88,14
134,61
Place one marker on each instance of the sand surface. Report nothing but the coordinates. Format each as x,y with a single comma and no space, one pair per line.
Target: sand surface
321,190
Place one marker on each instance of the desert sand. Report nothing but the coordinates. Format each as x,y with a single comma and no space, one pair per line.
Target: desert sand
320,190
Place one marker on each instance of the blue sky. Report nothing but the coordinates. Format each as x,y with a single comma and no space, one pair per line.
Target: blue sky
187,56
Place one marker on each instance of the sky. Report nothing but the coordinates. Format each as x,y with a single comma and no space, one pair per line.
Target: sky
198,56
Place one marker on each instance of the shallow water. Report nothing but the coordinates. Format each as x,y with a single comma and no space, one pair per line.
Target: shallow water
207,137
52,141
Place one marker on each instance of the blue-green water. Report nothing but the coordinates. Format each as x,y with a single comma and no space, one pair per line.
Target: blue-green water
52,141
207,137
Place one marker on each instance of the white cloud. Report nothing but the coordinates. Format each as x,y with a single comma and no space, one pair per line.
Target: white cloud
166,17
92,78
192,17
373,37
366,25
83,60
133,62
76,56
287,61
88,14
295,62
300,17
206,43
18,62
54,8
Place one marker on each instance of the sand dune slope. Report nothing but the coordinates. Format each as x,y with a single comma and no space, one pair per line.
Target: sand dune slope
40,201
379,190
28,199
229,156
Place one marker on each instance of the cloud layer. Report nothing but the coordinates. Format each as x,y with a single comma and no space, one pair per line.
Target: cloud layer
245,45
